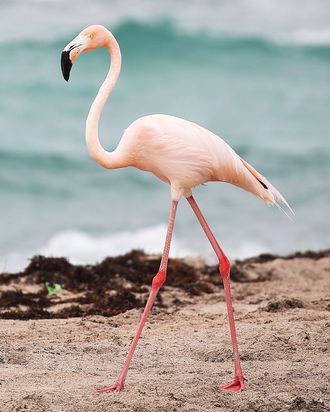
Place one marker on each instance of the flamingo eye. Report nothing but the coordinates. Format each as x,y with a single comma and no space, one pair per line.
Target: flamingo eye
91,36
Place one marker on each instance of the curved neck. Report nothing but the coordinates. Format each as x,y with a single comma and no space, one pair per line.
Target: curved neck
109,160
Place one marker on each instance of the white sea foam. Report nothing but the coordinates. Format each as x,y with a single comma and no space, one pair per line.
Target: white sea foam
311,37
82,248
294,21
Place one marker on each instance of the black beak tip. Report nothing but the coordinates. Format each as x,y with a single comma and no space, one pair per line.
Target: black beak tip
66,64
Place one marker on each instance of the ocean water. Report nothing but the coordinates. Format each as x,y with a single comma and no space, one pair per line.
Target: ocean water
257,73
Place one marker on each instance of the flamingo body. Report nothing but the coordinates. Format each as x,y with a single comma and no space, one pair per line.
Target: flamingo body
185,155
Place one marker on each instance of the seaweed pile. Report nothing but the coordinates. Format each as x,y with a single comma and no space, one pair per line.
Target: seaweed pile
54,288
115,285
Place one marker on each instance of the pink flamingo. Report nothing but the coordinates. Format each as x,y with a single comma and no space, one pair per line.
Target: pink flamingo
180,153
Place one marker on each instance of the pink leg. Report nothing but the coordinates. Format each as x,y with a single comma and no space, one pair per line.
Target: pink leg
157,283
224,266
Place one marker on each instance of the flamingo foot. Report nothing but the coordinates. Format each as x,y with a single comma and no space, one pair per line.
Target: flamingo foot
117,387
236,386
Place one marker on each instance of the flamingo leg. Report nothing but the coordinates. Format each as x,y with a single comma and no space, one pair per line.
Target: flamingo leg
157,283
224,267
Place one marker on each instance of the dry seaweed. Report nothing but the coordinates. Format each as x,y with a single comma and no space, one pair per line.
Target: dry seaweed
118,284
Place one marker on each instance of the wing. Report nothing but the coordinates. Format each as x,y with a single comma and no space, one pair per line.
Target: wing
185,154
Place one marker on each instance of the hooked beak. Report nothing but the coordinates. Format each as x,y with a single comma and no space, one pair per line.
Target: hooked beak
66,64
70,53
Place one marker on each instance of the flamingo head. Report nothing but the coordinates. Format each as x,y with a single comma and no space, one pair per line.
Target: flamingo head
93,37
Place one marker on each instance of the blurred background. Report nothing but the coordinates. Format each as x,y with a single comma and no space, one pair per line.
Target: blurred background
255,72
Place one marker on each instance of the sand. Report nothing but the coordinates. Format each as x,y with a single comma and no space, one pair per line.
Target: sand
283,323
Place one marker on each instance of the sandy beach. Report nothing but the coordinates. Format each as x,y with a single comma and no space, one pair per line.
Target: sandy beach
283,320
175,109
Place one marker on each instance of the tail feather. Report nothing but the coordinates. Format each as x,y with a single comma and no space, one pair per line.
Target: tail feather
275,196
283,210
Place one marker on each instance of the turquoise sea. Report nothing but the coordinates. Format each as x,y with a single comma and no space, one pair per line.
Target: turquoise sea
257,73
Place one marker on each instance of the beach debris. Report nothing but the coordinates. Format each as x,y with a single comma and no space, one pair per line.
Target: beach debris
279,305
117,284
53,289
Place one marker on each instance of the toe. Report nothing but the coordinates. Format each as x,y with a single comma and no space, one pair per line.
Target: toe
236,386
114,388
